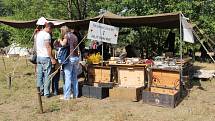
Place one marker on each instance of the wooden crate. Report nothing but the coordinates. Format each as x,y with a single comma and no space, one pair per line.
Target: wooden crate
99,74
123,93
163,90
158,99
169,79
131,77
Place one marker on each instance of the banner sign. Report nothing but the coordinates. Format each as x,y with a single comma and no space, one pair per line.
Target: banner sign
187,31
102,32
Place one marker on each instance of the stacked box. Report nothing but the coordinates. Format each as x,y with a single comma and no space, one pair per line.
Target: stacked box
131,76
95,92
164,89
99,74
126,93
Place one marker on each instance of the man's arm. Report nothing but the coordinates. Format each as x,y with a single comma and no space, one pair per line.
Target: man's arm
49,50
63,42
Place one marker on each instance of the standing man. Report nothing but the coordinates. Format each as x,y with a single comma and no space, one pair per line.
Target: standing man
44,59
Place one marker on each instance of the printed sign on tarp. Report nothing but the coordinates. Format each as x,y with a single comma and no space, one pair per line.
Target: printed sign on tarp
187,31
102,32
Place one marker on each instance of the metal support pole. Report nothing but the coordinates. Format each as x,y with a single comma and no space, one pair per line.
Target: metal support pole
149,76
103,21
102,53
40,100
181,49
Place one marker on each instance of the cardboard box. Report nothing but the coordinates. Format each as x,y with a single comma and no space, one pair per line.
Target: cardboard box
131,76
123,93
99,74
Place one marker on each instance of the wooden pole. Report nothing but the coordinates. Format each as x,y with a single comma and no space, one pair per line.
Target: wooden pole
26,61
4,63
9,81
40,100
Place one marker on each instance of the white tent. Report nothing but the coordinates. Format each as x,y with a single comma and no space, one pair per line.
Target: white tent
15,49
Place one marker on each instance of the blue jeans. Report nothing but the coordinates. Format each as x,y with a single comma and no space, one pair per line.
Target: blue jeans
43,71
55,82
70,71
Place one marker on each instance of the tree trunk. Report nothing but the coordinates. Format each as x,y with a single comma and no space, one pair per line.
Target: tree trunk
84,12
69,9
78,6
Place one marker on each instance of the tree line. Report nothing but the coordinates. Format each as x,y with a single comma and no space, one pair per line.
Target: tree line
200,12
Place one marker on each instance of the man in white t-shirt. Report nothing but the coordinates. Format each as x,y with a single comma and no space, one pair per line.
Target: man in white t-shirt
44,59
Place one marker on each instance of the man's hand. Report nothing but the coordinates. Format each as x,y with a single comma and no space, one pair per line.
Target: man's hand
53,61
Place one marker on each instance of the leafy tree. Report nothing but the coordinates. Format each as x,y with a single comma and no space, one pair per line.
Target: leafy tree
201,12
4,36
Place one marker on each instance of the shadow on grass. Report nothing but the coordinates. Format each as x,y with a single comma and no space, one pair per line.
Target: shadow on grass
196,82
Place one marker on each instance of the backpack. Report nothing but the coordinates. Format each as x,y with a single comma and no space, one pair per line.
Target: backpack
62,54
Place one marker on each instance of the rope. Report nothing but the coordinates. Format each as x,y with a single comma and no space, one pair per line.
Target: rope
207,39
204,35
203,45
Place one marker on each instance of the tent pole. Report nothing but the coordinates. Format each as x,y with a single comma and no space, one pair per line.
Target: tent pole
103,21
181,69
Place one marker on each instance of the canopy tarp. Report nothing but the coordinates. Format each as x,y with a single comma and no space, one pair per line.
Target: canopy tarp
166,20
19,24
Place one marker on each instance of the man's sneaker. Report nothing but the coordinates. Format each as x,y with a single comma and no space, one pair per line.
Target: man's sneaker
71,96
47,96
62,98
41,94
